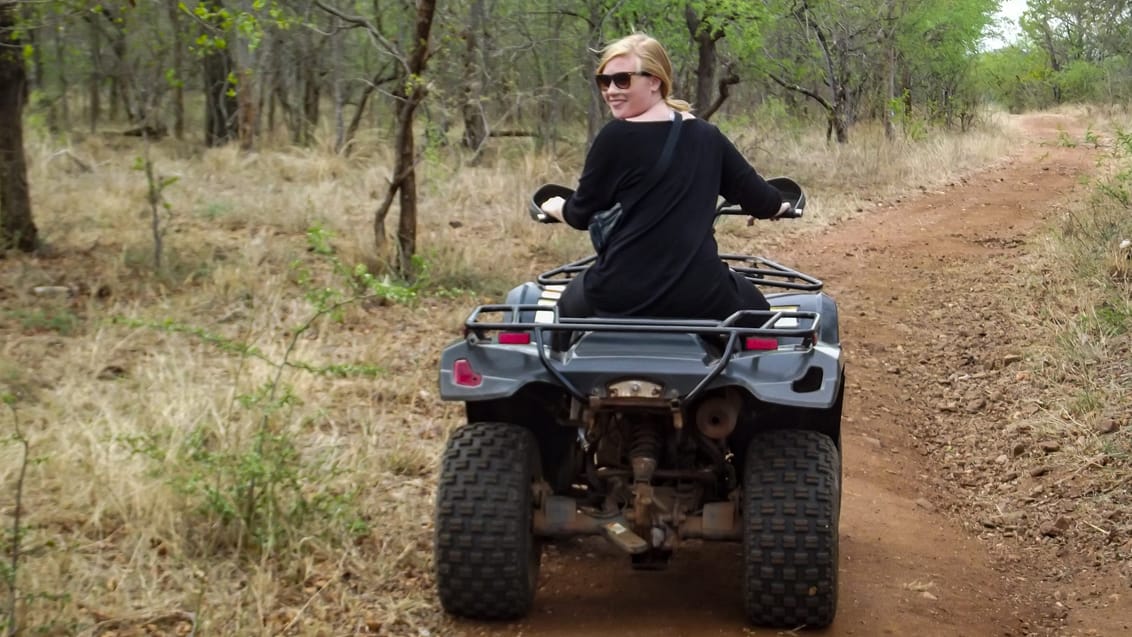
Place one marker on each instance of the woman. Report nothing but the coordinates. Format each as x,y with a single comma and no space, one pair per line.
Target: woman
662,259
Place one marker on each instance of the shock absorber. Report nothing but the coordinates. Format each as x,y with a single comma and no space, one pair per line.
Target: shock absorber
644,451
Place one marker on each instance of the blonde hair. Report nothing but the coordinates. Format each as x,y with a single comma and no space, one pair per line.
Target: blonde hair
651,59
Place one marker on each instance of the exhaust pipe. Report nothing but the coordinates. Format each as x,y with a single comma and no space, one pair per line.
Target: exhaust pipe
717,416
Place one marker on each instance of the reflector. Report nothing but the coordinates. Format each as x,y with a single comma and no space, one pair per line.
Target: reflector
463,374
759,343
514,338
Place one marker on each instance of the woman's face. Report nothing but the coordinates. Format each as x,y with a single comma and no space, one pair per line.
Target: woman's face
643,91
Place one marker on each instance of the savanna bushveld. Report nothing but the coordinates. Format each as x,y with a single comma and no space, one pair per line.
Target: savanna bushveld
237,234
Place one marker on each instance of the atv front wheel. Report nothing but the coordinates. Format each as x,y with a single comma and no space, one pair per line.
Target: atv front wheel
791,503
487,558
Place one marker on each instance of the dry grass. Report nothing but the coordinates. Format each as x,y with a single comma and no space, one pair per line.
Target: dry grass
1082,338
146,423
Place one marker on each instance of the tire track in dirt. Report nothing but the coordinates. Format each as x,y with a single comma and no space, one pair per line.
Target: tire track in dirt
906,568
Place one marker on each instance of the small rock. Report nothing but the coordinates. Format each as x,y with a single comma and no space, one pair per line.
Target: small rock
1010,359
1057,528
1110,426
1037,472
925,504
976,405
51,290
1002,459
111,372
1051,446
872,442
1018,449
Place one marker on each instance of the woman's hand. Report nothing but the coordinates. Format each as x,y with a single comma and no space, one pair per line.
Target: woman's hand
553,207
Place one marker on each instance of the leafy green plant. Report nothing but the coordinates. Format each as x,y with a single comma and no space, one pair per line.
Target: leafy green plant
1092,138
1123,142
1064,140
62,320
156,199
258,492
1113,319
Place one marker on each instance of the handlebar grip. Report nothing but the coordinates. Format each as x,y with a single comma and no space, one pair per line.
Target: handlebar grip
541,195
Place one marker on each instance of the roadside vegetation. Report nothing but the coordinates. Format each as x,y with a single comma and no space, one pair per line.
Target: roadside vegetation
1078,309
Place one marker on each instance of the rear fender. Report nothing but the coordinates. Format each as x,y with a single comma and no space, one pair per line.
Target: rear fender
759,416
821,303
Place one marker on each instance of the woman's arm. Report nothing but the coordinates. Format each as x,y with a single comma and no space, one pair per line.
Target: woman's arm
597,187
740,184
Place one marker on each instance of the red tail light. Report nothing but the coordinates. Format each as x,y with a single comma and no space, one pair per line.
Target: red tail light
759,343
463,374
513,338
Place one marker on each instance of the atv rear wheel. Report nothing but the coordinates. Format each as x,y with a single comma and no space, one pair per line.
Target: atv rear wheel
487,558
791,504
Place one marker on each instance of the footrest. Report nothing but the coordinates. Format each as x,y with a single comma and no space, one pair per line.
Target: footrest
623,537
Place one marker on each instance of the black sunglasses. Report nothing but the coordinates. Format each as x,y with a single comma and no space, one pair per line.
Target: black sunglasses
620,80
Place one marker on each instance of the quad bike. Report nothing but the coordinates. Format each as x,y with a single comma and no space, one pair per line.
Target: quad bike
649,432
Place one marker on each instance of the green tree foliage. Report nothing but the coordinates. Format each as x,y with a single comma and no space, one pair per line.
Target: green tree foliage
938,42
1074,51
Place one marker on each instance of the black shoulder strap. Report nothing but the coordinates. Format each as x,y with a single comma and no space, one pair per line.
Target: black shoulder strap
661,165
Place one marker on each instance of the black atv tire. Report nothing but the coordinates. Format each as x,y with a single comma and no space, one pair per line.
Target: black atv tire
487,558
791,505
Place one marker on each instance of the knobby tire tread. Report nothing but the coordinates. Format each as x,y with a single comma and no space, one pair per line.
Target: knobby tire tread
791,502
486,555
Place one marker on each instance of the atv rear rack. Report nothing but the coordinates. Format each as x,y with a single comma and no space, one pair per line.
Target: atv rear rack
775,325
758,270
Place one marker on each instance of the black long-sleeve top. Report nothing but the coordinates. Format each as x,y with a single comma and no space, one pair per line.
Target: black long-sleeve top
663,260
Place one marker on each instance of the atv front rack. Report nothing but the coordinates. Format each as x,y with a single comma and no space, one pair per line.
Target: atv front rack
774,325
758,270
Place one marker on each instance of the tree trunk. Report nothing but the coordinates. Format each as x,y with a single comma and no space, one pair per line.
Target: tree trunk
94,89
64,121
890,94
220,102
838,119
312,95
475,124
595,106
17,230
221,114
178,72
337,65
410,93
120,90
706,61
246,107
363,101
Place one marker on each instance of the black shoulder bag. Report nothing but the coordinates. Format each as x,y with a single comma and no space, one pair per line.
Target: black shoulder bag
603,223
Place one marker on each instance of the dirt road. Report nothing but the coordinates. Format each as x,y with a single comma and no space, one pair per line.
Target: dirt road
910,563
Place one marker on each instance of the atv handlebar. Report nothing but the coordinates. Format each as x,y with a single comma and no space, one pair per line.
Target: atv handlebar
789,189
541,196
